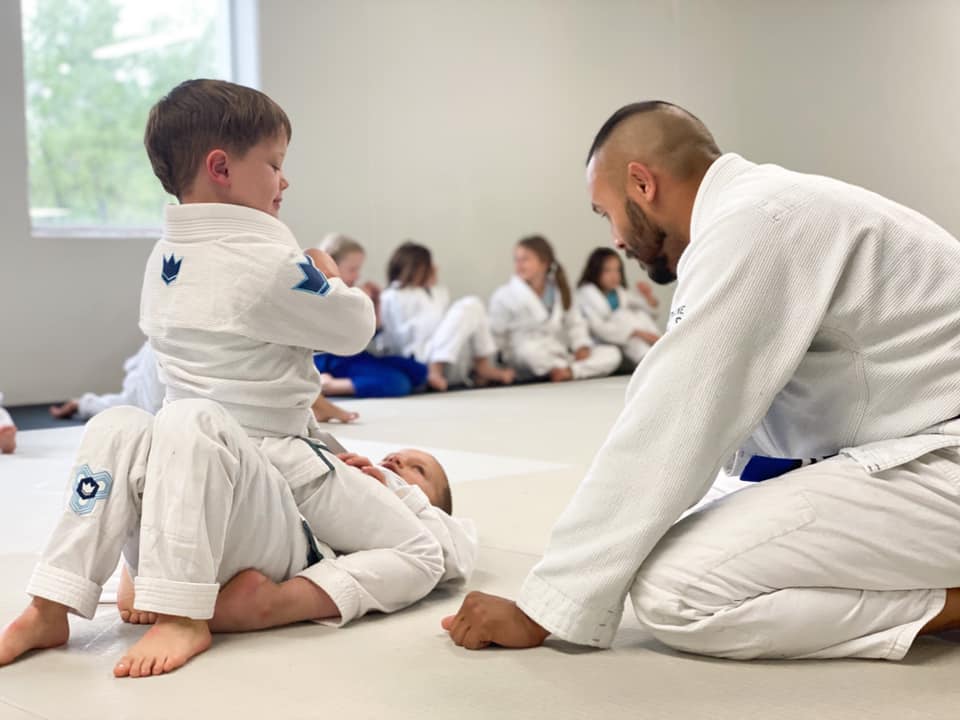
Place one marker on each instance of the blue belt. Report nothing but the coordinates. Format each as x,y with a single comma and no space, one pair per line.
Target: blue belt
760,468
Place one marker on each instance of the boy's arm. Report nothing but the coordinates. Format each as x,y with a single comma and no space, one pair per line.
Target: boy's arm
299,305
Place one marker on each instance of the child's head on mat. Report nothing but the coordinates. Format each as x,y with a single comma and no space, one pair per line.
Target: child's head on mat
422,469
411,265
604,269
215,141
347,253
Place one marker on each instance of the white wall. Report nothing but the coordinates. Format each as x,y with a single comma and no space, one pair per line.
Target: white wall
465,124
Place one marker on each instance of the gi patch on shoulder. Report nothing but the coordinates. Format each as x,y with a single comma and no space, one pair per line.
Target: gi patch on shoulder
314,281
88,487
171,268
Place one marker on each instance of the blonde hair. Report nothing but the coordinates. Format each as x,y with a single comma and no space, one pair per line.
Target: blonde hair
339,246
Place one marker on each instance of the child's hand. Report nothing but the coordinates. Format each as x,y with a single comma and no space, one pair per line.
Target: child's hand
364,465
648,337
581,353
647,292
325,264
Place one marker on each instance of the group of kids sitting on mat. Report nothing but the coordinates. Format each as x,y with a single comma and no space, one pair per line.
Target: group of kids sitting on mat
229,509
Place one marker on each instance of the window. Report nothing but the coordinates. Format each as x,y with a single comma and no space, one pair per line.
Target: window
92,69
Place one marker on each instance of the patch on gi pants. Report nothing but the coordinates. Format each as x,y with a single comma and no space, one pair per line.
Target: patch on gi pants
88,487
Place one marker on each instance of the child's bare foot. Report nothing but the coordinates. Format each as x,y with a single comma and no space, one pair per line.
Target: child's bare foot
8,439
435,377
66,410
166,646
486,373
244,603
125,603
325,411
561,374
332,386
42,625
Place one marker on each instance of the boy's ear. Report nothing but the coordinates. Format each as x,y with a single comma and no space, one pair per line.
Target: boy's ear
217,167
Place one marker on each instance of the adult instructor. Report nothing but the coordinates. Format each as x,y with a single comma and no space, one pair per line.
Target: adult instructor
812,320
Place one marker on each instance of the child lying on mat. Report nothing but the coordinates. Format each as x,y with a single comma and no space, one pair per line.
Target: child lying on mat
252,601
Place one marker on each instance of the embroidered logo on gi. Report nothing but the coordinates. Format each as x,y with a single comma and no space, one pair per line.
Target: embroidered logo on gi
88,487
314,281
171,268
677,315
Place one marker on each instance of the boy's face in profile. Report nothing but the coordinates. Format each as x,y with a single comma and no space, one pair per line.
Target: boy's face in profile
418,468
256,179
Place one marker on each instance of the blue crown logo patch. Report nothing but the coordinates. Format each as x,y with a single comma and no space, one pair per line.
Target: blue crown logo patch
88,487
171,268
314,281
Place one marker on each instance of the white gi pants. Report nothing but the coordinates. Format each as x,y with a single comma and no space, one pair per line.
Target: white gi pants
211,505
636,349
826,561
538,356
462,336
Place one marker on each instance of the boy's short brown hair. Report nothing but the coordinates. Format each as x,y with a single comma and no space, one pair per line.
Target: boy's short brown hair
198,116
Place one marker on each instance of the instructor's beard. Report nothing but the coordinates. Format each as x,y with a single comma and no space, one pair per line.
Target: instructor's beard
644,234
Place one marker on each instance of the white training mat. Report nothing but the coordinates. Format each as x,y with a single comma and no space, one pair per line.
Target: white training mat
515,457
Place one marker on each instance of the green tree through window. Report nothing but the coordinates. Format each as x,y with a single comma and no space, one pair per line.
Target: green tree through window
92,70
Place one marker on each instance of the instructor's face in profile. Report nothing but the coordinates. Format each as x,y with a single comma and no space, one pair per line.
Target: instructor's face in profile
633,232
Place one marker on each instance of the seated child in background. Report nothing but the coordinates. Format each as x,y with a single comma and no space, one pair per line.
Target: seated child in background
614,314
365,374
418,321
141,388
8,431
234,311
537,324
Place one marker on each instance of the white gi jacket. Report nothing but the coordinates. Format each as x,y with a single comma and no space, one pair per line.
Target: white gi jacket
615,326
811,317
520,321
409,316
234,311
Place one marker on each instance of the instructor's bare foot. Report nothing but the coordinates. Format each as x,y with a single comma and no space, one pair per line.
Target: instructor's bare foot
66,410
126,601
325,411
42,625
8,439
245,603
561,374
165,647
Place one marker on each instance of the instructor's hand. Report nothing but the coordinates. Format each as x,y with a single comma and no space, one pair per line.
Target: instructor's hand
485,620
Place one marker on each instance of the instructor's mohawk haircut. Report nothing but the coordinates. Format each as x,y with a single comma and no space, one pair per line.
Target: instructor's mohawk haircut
628,111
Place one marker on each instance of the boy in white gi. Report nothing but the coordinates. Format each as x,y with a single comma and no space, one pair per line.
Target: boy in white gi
812,320
233,310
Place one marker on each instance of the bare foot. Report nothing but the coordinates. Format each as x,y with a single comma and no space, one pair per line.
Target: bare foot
332,386
486,373
435,377
166,646
244,603
561,374
125,602
949,617
42,625
66,410
325,411
8,439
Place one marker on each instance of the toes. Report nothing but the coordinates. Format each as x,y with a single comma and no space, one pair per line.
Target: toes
159,667
122,668
146,667
126,616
